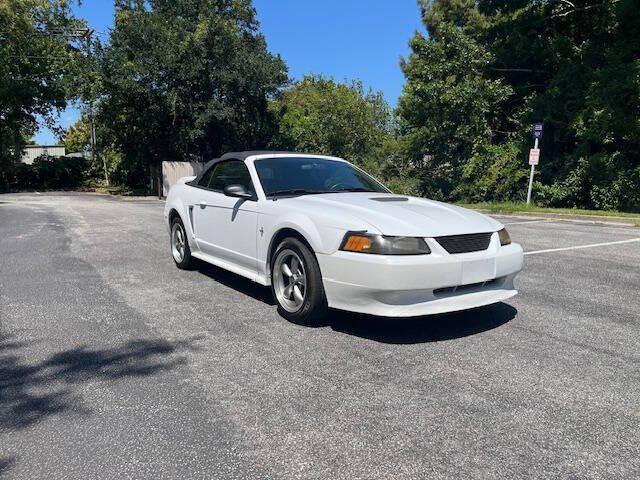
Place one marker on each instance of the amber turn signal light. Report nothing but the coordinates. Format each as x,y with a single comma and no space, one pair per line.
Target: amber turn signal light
357,243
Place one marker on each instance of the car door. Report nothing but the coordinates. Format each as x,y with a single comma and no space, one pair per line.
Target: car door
225,227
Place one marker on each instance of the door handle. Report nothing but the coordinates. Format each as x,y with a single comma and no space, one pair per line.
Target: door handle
203,204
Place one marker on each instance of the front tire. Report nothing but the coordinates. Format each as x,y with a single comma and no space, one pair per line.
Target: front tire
296,283
180,250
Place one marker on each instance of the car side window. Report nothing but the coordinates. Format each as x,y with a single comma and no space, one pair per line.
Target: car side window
231,172
206,178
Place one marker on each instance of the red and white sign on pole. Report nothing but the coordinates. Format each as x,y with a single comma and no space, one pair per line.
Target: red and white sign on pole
534,156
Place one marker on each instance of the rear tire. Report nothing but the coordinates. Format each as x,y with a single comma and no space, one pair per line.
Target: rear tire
296,283
180,250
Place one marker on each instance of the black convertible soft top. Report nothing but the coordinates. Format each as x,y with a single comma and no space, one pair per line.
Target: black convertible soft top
242,156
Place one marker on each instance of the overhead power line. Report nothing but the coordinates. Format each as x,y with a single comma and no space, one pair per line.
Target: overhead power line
71,34
77,33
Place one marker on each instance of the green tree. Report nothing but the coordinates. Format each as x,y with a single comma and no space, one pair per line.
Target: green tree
77,138
35,55
491,68
185,80
320,115
463,14
449,105
575,65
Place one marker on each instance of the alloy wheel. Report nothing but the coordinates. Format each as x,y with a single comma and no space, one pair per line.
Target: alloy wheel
290,280
178,242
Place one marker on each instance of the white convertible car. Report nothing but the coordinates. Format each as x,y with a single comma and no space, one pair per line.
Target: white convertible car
323,233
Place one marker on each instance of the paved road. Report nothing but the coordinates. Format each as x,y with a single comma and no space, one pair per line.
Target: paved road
115,364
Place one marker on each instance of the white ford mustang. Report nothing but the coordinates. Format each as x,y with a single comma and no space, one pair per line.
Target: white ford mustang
323,233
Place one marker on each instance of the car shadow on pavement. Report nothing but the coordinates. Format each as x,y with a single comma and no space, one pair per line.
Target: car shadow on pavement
237,282
435,328
31,391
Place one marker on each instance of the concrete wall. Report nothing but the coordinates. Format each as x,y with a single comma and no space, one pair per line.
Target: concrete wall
172,171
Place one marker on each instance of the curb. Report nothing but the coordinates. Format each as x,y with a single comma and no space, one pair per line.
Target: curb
587,219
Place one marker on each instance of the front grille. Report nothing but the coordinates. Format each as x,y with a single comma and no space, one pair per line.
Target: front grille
473,242
461,289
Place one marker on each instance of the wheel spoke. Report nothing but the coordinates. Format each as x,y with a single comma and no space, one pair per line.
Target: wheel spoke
297,294
178,243
295,265
302,280
286,270
287,291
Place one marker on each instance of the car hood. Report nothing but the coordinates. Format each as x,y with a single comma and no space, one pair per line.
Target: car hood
396,214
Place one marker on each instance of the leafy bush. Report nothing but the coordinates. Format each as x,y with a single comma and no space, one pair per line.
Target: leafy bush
24,177
49,174
601,181
494,173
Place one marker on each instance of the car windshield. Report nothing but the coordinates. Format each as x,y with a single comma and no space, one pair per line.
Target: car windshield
301,175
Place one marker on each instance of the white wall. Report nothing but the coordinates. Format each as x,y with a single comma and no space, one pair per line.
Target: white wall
31,152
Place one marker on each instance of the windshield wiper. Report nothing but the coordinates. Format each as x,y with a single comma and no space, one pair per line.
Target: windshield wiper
354,189
293,191
304,191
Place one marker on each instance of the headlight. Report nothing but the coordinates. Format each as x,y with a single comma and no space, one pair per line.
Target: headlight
505,239
383,245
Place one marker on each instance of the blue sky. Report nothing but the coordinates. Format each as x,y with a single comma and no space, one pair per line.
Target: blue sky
344,39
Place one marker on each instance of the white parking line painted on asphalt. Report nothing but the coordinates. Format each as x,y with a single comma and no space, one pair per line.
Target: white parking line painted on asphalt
525,219
529,221
549,250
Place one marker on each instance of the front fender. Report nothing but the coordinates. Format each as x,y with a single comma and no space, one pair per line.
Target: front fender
176,201
304,226
321,238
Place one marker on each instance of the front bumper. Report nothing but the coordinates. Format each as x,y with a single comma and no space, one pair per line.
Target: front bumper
406,286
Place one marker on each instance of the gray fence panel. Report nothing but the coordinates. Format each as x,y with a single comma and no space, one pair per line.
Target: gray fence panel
173,171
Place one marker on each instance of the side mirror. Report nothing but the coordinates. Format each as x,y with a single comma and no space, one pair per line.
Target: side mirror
238,191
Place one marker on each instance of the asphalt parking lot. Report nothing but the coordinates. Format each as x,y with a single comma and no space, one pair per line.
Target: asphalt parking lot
115,364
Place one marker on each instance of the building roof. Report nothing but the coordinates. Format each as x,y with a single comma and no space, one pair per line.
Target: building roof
43,146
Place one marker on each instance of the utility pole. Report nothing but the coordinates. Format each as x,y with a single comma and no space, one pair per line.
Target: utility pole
94,141
93,138
534,157
83,34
